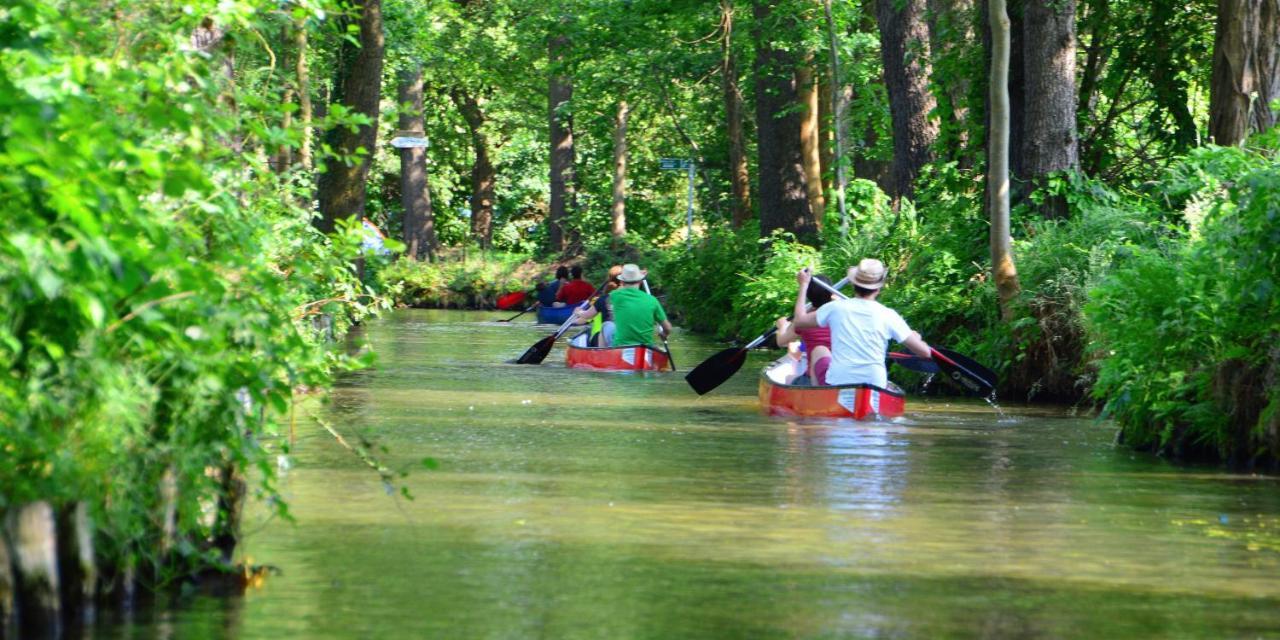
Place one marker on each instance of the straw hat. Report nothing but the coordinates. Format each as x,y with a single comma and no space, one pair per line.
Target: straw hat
869,274
632,273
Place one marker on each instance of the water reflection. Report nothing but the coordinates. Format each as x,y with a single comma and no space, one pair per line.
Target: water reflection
578,504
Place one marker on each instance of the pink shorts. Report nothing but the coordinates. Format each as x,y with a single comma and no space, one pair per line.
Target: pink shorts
820,371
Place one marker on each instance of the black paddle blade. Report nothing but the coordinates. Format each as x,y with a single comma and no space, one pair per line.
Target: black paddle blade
913,362
538,352
965,372
715,370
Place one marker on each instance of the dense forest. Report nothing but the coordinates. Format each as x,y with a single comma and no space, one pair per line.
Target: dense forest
1083,193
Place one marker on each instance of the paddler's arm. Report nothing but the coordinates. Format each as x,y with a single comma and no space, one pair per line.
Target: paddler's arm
918,346
786,333
803,317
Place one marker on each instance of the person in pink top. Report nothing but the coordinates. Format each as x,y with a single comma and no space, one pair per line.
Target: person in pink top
816,340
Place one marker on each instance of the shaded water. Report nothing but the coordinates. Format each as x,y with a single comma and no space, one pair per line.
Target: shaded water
573,504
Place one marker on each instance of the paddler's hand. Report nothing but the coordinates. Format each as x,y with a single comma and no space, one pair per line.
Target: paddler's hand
803,277
781,324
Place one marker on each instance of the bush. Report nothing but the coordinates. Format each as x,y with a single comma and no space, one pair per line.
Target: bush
703,280
1190,333
460,281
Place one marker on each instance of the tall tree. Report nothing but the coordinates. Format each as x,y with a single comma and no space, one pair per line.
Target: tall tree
784,202
1246,69
810,130
1049,142
357,86
618,212
483,173
415,191
904,45
560,126
1003,269
739,177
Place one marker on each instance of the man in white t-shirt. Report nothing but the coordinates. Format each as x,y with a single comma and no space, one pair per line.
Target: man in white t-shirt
860,327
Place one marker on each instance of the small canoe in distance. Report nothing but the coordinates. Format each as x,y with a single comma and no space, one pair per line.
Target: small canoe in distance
628,358
554,315
857,401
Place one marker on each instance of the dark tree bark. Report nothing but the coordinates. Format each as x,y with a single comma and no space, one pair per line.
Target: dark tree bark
904,45
739,177
483,174
415,191
358,86
560,117
1049,141
784,203
303,79
1246,69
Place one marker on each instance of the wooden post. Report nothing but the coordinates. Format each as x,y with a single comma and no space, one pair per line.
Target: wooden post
31,529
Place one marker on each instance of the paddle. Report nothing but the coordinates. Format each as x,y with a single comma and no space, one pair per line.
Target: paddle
959,369
538,352
913,362
535,306
721,366
662,335
965,372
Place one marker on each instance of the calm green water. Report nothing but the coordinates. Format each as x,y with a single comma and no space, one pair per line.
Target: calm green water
574,504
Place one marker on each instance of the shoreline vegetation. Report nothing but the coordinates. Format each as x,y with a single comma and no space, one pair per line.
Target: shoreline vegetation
184,191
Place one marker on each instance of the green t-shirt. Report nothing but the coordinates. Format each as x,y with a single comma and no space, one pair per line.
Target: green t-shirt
634,314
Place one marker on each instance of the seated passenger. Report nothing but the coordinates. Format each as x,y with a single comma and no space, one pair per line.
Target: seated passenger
547,292
575,291
860,327
816,340
635,312
600,314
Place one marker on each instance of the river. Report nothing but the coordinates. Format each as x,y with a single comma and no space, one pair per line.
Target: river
571,504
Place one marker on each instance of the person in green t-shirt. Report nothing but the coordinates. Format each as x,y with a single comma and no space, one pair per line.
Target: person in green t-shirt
634,311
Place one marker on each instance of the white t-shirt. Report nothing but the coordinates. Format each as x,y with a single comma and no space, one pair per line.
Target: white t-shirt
860,333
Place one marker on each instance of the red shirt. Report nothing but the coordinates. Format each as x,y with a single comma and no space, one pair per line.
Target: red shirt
815,337
574,292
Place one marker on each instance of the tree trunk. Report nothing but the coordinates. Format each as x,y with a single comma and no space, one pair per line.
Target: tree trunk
784,202
1246,69
951,36
810,154
483,174
839,95
415,191
304,94
32,532
76,561
739,177
618,213
1049,142
560,97
1002,266
826,153
904,45
358,86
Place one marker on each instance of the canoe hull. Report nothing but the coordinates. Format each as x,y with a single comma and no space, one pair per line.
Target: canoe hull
628,358
857,401
554,315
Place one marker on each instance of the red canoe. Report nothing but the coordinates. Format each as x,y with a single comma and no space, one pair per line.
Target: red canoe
857,401
629,358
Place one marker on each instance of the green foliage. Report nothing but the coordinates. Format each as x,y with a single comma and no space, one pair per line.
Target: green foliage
704,280
159,286
459,280
1189,329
